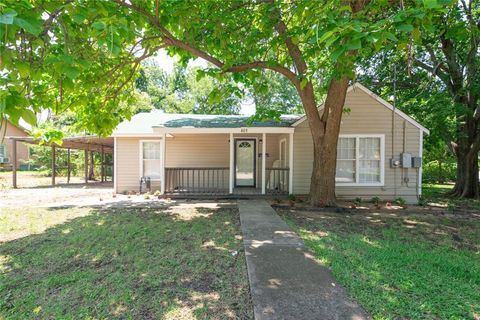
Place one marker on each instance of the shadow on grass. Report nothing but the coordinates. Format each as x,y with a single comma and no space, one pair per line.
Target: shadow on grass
143,263
392,270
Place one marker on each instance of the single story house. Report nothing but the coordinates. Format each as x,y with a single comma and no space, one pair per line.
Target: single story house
379,153
8,129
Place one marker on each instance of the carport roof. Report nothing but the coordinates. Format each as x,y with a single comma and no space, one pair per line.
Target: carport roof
87,142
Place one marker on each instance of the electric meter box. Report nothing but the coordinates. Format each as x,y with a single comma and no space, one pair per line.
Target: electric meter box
416,162
406,159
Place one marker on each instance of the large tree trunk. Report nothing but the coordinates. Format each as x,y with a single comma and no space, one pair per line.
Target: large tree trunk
322,183
467,183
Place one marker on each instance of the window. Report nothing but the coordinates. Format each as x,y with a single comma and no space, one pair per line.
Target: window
360,160
3,151
150,158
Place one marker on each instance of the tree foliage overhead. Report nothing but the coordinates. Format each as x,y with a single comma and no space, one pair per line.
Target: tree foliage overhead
439,83
94,49
183,91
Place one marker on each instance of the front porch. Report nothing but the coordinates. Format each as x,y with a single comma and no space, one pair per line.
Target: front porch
234,164
214,182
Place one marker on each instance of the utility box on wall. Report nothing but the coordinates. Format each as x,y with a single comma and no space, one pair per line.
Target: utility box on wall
416,162
406,159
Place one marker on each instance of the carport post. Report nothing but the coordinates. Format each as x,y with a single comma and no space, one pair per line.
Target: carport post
86,165
103,166
53,165
14,163
68,165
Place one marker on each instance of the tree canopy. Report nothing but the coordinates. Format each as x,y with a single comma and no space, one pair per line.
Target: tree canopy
85,55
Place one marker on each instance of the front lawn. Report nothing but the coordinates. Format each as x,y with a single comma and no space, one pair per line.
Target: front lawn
399,264
183,262
438,194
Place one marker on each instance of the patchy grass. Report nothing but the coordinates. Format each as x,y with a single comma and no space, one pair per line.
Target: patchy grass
183,262
399,265
28,179
437,193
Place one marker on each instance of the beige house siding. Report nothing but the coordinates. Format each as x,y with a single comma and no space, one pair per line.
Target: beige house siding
367,116
186,151
22,150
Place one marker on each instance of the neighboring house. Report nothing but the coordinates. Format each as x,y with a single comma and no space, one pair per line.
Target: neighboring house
214,154
6,145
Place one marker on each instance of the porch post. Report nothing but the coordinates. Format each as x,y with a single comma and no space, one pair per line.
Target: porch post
264,147
162,163
231,164
290,164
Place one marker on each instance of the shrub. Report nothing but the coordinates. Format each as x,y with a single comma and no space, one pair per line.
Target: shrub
400,201
439,171
375,200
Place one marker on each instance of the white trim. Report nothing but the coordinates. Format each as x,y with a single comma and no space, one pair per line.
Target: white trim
115,168
231,163
357,171
140,156
163,152
290,164
264,152
257,146
378,99
420,170
244,130
138,135
284,156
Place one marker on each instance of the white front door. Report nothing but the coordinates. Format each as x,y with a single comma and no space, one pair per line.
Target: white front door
245,162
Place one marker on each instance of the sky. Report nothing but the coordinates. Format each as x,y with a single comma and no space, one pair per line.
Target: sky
166,63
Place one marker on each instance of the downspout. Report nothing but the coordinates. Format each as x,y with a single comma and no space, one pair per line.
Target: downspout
405,178
393,128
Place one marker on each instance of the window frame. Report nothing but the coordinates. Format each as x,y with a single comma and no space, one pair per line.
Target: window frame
357,182
3,154
140,156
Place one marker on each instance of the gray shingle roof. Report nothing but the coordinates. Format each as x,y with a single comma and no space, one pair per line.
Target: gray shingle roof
145,122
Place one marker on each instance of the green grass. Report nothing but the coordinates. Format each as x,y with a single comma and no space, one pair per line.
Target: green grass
178,263
438,193
399,265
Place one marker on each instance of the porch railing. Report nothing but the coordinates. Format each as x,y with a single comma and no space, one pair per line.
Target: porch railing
197,180
277,180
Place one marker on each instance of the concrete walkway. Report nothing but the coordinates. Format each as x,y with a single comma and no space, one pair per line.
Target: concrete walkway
285,281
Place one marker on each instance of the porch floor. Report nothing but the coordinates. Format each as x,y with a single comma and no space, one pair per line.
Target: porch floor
238,193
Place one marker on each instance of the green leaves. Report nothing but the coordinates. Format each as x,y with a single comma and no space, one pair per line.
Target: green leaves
405,27
7,18
71,72
48,136
30,25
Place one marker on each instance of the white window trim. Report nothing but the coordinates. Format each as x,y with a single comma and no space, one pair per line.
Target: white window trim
357,162
140,156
